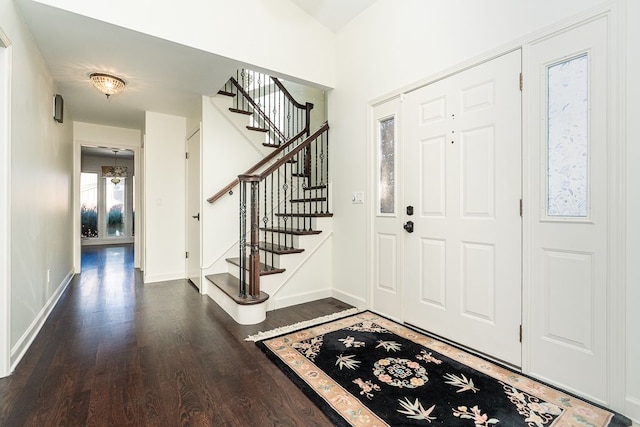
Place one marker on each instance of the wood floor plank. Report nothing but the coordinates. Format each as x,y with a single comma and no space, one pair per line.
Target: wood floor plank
116,352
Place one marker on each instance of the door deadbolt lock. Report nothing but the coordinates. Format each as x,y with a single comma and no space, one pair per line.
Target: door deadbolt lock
409,210
408,226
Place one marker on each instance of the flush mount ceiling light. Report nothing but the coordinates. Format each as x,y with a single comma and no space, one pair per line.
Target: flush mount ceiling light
106,83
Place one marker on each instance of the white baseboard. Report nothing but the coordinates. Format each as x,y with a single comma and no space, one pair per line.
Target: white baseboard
299,299
18,351
633,410
162,277
349,299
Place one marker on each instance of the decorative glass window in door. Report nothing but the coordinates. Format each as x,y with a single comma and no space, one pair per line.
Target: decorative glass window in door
568,138
386,160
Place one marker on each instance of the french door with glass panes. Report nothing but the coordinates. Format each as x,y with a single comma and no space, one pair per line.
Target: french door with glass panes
104,207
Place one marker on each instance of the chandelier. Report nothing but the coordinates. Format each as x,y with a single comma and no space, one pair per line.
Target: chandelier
114,172
107,84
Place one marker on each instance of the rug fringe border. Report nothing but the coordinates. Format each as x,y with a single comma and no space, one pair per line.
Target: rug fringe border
301,325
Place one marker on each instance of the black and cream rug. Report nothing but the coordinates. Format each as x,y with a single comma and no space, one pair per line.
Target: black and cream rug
366,370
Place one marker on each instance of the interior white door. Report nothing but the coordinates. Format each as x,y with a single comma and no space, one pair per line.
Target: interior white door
462,163
388,239
193,209
567,213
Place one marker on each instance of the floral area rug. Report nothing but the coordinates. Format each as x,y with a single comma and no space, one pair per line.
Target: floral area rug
366,370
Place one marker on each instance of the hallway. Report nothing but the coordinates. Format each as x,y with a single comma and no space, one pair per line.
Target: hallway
116,352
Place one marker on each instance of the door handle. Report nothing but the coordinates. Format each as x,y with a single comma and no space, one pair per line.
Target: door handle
196,216
408,226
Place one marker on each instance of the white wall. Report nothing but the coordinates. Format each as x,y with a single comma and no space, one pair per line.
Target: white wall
92,135
5,206
633,207
41,188
275,34
164,178
421,39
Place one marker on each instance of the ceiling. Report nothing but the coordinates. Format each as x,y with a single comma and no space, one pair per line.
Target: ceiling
334,14
107,152
161,76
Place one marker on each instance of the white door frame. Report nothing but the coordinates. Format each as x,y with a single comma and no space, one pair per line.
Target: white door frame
139,186
5,205
616,186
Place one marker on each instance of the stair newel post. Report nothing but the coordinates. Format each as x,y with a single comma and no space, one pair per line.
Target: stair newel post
254,257
242,291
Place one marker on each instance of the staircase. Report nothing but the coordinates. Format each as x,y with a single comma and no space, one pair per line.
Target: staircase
283,199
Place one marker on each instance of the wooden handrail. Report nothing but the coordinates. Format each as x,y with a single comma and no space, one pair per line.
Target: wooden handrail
255,167
257,108
290,155
289,96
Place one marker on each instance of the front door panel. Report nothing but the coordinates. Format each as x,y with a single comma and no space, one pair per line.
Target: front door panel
462,162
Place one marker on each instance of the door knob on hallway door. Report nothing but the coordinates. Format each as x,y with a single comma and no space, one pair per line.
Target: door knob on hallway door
408,226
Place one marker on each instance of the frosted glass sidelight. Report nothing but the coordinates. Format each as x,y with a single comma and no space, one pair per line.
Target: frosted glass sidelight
386,191
568,138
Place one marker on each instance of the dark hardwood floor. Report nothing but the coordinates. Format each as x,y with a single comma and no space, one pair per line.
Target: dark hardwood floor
116,352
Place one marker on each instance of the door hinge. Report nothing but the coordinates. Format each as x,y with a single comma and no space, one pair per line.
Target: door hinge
186,254
186,156
520,207
520,82
520,333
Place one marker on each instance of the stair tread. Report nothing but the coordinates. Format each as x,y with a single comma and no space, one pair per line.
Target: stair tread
278,249
226,93
239,111
270,145
257,129
315,187
289,230
306,215
311,199
230,285
264,268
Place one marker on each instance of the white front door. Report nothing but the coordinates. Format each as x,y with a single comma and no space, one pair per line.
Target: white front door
462,163
193,209
386,295
567,212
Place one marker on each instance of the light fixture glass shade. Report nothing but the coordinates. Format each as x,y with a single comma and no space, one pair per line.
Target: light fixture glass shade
107,84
